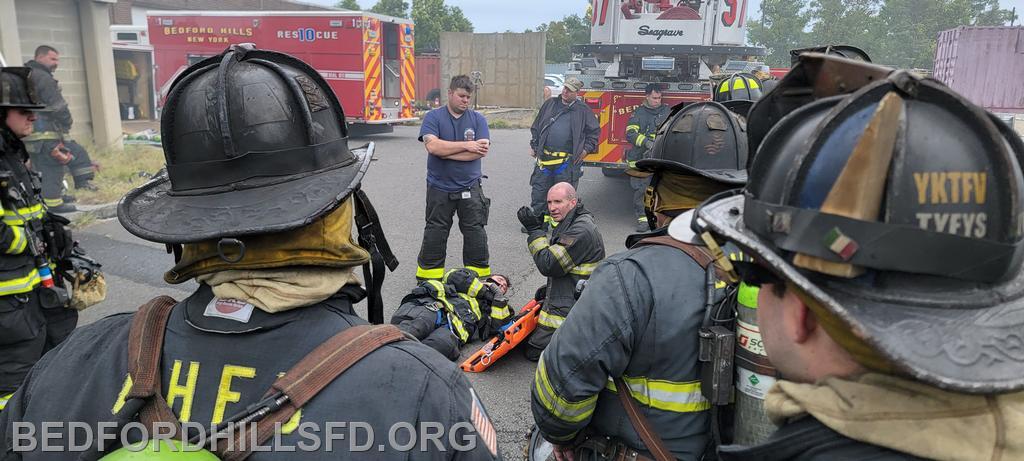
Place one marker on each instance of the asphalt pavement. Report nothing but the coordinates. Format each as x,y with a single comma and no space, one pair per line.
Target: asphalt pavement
396,184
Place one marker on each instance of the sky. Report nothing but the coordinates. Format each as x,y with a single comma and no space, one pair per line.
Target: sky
519,15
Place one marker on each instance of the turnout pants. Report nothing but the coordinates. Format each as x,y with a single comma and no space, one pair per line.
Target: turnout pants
53,172
27,331
544,177
639,186
428,326
473,210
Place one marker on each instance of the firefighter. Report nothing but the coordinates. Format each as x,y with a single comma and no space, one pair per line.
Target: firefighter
741,86
268,238
641,132
890,274
446,314
31,321
50,147
564,131
639,316
768,81
567,258
456,138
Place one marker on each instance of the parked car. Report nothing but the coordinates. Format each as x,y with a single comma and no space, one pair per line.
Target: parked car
554,82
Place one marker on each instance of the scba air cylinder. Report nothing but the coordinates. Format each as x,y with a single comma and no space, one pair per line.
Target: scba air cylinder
754,373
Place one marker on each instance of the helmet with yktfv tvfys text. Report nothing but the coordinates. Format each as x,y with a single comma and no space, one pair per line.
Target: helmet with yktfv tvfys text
898,209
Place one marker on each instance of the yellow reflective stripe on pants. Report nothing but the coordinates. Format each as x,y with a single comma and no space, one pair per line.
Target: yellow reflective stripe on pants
52,202
584,270
550,320
430,274
19,243
538,244
565,410
562,256
480,271
678,397
20,285
4,399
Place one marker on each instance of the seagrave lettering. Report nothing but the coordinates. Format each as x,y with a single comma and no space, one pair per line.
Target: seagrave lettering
646,30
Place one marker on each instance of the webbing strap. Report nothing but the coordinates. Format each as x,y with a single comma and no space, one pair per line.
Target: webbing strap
145,341
308,377
643,427
372,239
700,255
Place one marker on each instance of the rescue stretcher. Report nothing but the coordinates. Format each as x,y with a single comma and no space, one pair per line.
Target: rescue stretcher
496,348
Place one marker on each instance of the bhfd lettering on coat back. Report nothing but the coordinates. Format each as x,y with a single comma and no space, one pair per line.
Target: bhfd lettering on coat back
952,188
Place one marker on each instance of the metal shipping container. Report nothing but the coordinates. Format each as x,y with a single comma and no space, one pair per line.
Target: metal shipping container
984,64
428,76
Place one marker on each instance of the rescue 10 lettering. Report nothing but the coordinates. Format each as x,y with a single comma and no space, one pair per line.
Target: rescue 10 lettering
952,188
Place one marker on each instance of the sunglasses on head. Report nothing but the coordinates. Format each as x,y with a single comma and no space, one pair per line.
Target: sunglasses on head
754,274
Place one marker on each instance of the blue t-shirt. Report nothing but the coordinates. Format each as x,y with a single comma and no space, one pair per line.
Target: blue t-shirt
453,175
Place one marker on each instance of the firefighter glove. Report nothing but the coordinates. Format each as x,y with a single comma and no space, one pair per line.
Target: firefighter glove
529,220
62,155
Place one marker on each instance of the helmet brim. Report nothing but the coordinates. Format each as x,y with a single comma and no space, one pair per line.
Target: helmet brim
730,177
35,107
954,337
152,212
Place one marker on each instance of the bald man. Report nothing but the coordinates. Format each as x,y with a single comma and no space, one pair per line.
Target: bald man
566,258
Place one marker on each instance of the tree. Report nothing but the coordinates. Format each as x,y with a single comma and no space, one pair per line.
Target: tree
397,8
912,44
433,17
562,35
780,29
846,22
351,5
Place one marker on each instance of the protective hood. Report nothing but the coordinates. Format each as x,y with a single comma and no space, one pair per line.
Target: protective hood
907,416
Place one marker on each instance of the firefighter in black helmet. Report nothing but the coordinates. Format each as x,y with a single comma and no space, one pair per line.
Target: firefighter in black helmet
637,321
257,205
34,316
886,232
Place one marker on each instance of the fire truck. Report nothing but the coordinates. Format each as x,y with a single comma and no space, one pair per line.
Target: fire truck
679,44
366,58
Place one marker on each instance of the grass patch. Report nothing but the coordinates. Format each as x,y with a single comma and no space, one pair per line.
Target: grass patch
83,220
499,124
119,172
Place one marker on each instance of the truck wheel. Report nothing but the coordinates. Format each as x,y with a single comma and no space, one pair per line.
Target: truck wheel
613,172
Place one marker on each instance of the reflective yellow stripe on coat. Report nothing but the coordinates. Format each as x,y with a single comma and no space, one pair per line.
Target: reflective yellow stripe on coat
559,407
20,285
18,217
678,397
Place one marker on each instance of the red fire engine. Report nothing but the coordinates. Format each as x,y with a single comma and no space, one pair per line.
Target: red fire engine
678,44
367,58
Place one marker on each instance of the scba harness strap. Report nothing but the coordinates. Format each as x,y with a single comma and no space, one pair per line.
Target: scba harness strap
284,398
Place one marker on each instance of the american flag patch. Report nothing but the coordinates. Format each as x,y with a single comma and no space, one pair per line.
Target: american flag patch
483,425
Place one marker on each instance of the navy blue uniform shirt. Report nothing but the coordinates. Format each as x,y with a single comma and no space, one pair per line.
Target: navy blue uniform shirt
453,175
